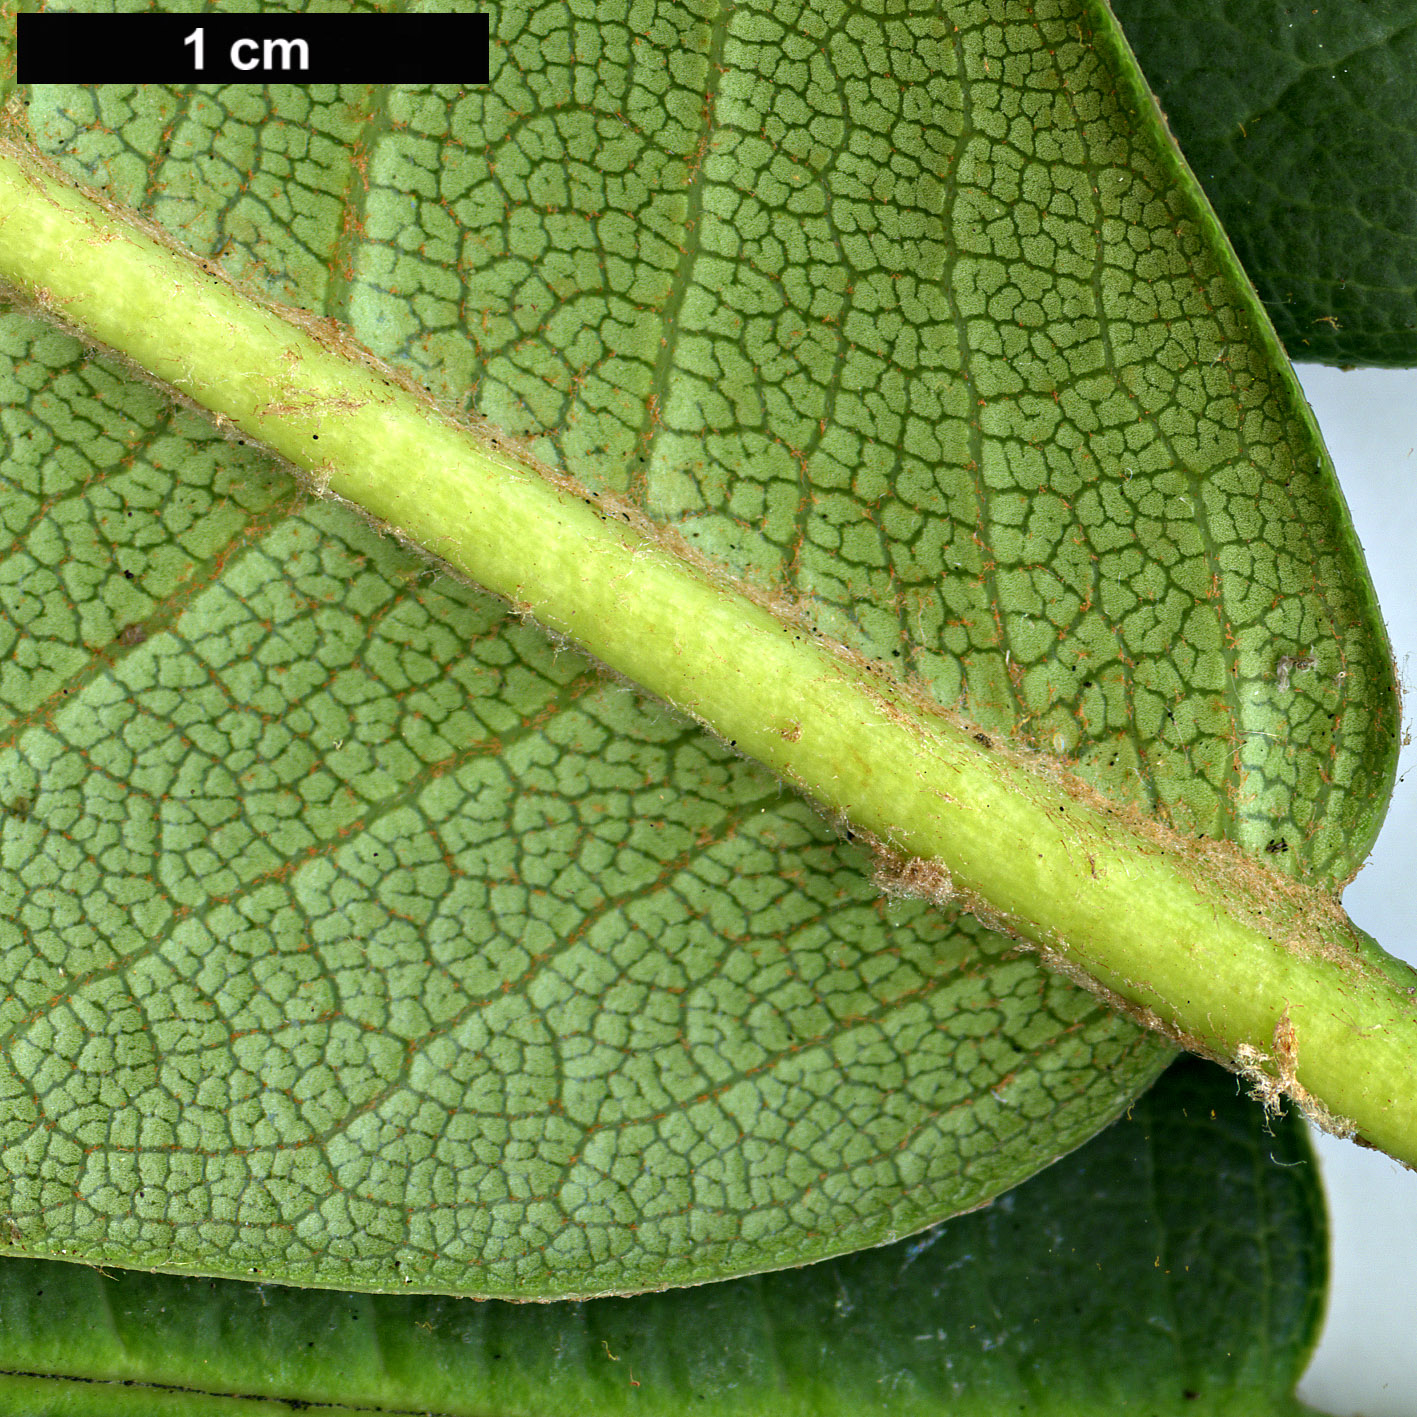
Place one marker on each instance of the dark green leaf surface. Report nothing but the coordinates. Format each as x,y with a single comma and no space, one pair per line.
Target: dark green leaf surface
1174,1265
1301,122
353,934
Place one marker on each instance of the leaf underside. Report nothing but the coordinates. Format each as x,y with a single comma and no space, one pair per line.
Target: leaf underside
1298,121
1123,1279
353,934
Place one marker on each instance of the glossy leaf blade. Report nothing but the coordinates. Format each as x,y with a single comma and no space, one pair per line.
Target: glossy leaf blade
1124,1277
1298,121
416,955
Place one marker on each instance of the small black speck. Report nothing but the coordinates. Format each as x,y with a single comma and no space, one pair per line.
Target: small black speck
983,740
1276,846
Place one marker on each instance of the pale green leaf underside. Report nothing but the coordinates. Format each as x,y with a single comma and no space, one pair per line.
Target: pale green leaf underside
354,935
1123,1279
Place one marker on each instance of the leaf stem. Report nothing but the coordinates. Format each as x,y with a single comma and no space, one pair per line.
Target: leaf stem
1195,938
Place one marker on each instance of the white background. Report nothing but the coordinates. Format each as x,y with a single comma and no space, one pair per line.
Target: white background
1366,1362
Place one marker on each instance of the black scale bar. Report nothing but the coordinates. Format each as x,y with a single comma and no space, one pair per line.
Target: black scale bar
184,50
